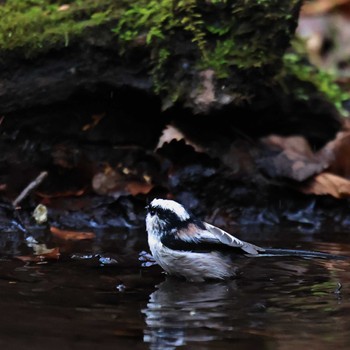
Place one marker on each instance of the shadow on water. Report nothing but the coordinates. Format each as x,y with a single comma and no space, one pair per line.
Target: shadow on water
97,295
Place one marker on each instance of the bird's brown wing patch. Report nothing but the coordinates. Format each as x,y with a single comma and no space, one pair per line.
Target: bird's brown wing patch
190,233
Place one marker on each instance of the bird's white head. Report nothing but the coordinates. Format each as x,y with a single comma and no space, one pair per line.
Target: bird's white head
163,215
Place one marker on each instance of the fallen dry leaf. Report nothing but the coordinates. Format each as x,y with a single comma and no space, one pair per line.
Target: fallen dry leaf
296,144
291,157
114,184
71,235
337,154
171,133
135,187
327,184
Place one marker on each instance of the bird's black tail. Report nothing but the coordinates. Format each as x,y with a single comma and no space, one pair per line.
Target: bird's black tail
300,253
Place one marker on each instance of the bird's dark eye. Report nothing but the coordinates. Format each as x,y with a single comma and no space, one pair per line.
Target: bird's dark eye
150,210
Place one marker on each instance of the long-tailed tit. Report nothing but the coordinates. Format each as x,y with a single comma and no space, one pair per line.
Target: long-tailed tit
187,247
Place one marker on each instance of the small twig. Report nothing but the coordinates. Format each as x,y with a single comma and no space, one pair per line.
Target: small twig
35,183
19,222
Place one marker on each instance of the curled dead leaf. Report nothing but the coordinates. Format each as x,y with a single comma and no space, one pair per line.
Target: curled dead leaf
327,184
71,235
171,133
291,157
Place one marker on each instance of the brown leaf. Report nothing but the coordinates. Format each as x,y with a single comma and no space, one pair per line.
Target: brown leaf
135,187
327,184
337,153
71,235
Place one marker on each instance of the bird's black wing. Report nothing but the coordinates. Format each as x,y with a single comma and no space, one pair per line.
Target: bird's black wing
204,237
230,240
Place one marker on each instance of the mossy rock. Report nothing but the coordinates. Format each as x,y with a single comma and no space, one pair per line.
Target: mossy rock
223,50
203,54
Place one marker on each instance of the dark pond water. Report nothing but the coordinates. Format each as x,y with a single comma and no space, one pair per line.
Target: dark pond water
98,296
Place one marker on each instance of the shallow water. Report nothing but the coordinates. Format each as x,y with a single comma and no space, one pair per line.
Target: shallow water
97,295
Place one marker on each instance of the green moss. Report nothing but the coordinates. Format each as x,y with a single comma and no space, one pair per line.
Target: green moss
297,67
241,40
34,26
157,71
224,35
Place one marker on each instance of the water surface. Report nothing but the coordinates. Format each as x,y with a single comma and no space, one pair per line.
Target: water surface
97,295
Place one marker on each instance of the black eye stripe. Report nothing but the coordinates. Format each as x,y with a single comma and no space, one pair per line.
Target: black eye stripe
170,220
153,210
165,214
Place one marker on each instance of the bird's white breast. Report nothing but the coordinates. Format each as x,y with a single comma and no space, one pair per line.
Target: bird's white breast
193,266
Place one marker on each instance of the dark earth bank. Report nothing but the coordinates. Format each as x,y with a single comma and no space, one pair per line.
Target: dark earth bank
108,152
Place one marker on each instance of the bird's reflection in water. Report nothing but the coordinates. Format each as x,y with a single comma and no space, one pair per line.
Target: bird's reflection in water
240,311
179,312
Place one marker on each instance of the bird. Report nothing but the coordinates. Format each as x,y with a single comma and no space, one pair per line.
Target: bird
189,248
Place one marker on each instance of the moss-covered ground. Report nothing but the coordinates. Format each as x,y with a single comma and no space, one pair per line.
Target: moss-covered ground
31,27
240,40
